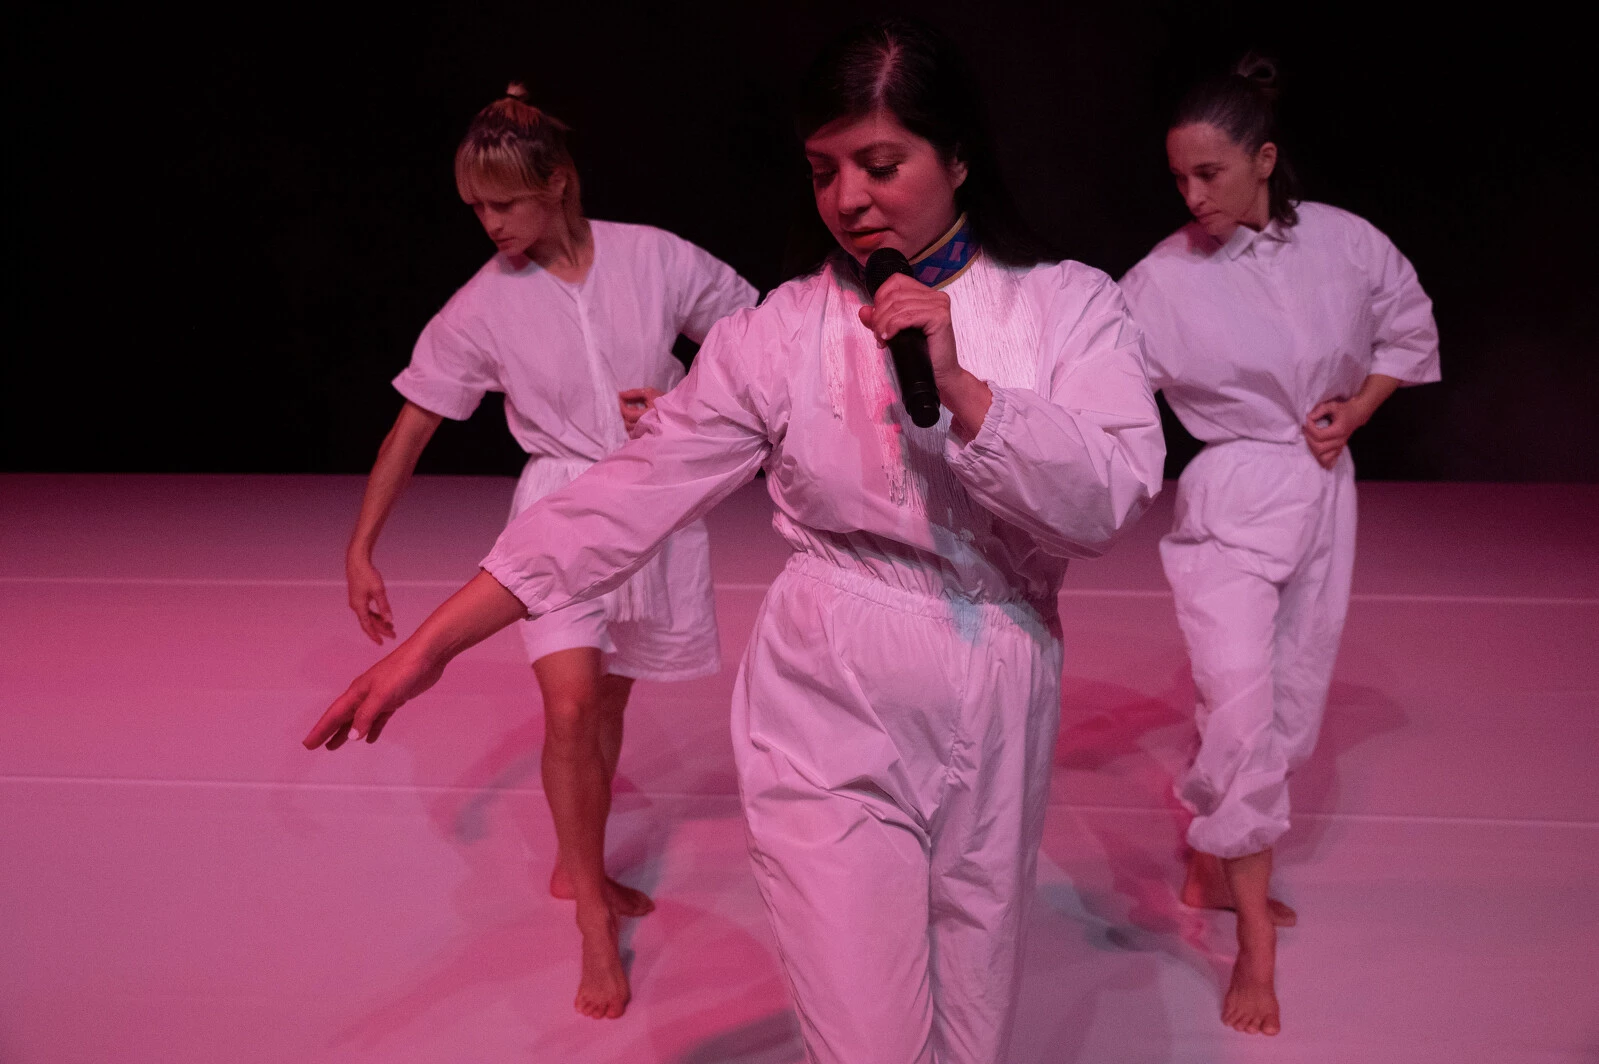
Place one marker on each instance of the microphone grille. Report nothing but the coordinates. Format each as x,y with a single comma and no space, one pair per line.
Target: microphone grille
883,264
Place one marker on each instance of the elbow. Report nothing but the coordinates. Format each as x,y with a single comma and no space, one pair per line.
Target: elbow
1109,530
1121,506
1103,508
1094,529
1081,543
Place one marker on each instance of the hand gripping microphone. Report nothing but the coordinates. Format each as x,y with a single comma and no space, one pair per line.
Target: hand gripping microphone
908,346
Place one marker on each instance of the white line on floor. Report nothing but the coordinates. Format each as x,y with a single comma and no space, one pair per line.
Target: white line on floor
732,799
1070,592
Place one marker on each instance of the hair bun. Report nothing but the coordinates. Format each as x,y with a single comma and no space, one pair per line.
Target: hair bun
1260,72
516,90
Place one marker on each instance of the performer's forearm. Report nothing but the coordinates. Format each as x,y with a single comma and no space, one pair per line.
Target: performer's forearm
391,472
967,398
468,617
1374,391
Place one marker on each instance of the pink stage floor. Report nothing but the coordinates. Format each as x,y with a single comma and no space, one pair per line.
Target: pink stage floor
181,882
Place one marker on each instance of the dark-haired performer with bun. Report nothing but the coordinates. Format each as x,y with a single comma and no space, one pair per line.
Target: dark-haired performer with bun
895,713
1275,328
574,321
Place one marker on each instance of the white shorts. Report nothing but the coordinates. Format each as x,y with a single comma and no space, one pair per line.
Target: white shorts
685,647
678,639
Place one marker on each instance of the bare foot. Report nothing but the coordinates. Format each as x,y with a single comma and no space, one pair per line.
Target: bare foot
1251,1002
623,900
1206,888
602,990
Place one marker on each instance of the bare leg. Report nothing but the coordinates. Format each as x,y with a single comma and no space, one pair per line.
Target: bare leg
1206,888
614,692
613,695
1251,1002
580,801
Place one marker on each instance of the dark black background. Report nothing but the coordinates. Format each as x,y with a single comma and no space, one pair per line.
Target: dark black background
226,230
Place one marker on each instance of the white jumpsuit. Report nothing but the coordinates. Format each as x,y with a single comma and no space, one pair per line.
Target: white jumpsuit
1245,338
561,352
895,713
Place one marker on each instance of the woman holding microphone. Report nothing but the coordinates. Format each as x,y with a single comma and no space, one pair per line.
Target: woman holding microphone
895,713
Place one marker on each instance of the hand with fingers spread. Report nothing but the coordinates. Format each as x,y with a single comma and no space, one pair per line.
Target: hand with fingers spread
636,402
904,303
369,599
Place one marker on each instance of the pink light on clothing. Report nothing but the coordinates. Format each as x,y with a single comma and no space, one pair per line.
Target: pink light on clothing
898,701
1245,338
561,352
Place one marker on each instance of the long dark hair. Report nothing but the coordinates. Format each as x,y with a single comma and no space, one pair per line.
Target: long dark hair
913,72
1243,105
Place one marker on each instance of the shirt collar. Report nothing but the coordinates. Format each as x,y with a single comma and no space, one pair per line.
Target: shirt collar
1244,238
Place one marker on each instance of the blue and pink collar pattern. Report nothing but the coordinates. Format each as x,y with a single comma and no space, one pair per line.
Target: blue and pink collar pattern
948,258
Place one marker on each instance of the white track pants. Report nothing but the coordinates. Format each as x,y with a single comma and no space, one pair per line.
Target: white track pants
1260,560
894,753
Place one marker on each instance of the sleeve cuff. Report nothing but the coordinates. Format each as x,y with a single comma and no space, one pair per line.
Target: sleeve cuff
988,441
504,570
1407,370
436,397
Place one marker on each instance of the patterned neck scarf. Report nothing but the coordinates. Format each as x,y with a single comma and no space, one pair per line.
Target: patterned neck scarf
948,258
936,267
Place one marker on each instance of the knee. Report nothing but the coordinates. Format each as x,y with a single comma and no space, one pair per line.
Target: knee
570,720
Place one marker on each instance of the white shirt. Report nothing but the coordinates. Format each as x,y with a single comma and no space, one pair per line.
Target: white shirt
560,352
1246,337
1069,454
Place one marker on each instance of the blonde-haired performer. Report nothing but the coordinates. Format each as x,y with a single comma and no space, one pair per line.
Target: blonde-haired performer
574,321
1275,328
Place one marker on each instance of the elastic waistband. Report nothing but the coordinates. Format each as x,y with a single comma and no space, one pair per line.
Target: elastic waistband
1295,453
1264,445
545,461
949,606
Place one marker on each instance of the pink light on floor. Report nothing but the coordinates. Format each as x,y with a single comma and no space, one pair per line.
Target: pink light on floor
181,882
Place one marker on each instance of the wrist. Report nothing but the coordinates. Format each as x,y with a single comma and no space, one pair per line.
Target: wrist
1363,407
967,398
957,384
1374,391
945,377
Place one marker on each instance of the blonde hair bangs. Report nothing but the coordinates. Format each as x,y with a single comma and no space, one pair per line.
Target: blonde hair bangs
513,148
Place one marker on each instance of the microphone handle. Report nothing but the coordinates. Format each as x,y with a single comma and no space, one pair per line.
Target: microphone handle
914,369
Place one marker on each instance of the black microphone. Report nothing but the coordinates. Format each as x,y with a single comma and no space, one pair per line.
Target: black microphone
908,346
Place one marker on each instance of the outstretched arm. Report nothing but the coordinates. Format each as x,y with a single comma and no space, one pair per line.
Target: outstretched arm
466,618
701,442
